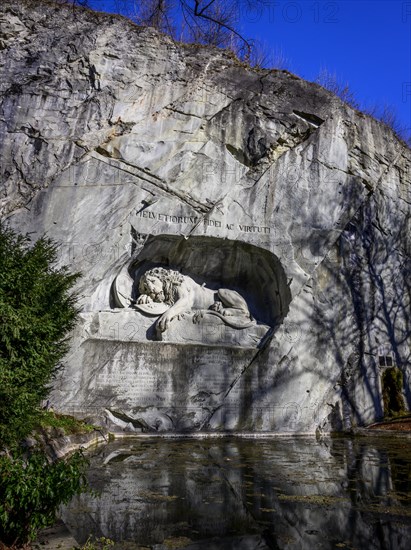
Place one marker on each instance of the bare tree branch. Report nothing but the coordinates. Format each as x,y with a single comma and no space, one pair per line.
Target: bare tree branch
200,12
209,22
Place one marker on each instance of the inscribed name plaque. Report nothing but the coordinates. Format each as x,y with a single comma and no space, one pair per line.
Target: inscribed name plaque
157,386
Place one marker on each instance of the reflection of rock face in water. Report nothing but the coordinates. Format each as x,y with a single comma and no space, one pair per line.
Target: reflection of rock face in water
248,494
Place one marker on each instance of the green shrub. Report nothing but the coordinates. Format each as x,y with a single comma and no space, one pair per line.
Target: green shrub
32,489
37,310
392,386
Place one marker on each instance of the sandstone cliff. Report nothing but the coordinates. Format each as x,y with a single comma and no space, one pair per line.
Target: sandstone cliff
133,151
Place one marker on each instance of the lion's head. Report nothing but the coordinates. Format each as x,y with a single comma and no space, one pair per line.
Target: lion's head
170,280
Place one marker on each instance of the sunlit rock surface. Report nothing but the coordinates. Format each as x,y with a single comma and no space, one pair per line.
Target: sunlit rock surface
134,152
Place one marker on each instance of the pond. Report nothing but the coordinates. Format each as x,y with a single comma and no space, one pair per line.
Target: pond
248,494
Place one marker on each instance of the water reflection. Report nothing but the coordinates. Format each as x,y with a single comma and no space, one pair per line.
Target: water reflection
248,494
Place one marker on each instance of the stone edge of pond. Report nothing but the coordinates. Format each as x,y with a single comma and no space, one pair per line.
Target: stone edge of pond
60,447
65,445
380,433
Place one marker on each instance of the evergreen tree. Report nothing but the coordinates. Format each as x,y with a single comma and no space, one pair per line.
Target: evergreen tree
37,310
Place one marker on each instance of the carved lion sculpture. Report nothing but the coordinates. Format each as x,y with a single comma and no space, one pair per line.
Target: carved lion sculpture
182,294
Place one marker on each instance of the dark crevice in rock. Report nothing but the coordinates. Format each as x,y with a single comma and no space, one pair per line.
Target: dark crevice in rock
178,111
137,424
312,119
238,155
102,151
138,240
257,147
94,77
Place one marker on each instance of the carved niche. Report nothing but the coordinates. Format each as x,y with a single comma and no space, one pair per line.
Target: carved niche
204,290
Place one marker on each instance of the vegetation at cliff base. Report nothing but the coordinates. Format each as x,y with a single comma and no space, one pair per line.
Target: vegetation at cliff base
37,311
31,490
49,421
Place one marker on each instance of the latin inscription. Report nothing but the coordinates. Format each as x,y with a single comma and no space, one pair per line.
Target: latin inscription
207,222
148,377
143,386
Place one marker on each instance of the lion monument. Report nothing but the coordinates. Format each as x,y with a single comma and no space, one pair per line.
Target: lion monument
171,294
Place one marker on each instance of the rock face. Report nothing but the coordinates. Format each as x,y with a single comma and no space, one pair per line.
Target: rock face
280,215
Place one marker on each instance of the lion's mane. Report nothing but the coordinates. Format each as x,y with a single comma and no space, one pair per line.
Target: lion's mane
170,278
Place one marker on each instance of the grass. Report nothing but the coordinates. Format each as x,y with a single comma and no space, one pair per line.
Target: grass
92,543
66,423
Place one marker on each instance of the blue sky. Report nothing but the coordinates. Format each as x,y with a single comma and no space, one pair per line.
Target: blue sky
367,44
